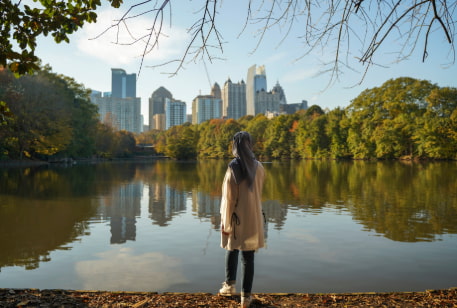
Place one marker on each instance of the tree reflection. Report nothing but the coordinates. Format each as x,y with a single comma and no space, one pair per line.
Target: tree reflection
37,216
401,201
44,209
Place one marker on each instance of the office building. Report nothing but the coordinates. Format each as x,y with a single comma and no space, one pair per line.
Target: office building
216,90
256,82
122,84
234,100
292,108
119,113
120,108
158,122
282,96
206,107
175,113
266,102
157,107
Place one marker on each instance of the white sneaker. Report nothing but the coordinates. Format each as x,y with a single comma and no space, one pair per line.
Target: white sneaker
227,289
246,301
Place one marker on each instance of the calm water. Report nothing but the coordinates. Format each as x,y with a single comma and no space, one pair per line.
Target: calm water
332,227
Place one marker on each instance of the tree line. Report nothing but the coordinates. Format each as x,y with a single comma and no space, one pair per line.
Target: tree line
404,118
47,115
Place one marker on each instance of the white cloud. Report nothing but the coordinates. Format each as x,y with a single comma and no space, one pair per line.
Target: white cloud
114,46
300,75
120,269
277,57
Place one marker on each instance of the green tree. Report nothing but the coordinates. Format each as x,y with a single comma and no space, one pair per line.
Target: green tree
207,138
22,24
125,143
312,140
257,127
84,121
41,107
104,141
337,133
181,142
436,136
280,137
215,138
6,117
382,119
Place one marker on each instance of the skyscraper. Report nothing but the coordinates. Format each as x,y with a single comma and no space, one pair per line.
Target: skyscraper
256,81
175,113
157,107
282,96
206,107
216,90
266,102
234,99
122,84
120,109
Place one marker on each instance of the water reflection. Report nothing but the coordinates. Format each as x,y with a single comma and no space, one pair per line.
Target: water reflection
401,201
46,209
165,202
139,272
121,207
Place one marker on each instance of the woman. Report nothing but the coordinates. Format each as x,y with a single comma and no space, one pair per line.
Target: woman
242,218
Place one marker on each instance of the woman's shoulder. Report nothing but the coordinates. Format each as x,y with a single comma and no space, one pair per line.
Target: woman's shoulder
260,167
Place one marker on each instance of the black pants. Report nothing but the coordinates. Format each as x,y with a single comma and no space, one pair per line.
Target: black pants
247,269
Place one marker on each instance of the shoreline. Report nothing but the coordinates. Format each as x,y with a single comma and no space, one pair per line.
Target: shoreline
10,297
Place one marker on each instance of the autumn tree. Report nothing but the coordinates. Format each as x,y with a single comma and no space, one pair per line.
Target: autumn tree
257,126
50,115
181,142
215,137
40,105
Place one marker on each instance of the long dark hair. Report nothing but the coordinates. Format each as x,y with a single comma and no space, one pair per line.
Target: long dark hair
244,165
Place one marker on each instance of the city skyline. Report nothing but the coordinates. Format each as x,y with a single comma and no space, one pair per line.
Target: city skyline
89,61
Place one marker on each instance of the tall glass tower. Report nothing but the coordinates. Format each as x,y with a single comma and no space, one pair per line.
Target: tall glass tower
256,81
122,84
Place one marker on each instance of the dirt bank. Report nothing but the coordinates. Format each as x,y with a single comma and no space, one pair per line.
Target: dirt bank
69,298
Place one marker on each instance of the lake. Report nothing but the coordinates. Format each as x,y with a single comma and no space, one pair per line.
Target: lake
349,226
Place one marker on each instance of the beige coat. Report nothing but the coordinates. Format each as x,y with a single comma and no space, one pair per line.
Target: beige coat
241,212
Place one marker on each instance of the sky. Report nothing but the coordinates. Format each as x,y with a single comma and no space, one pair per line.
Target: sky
88,58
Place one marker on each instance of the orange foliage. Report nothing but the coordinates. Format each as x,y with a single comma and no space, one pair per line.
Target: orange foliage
294,126
216,122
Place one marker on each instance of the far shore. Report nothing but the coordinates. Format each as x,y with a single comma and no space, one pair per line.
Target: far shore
37,163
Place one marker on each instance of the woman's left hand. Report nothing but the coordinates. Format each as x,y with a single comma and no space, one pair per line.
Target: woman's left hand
223,232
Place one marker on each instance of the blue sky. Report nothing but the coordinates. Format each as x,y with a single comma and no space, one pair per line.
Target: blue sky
90,61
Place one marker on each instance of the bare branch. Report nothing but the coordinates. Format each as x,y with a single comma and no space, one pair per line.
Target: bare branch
353,29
